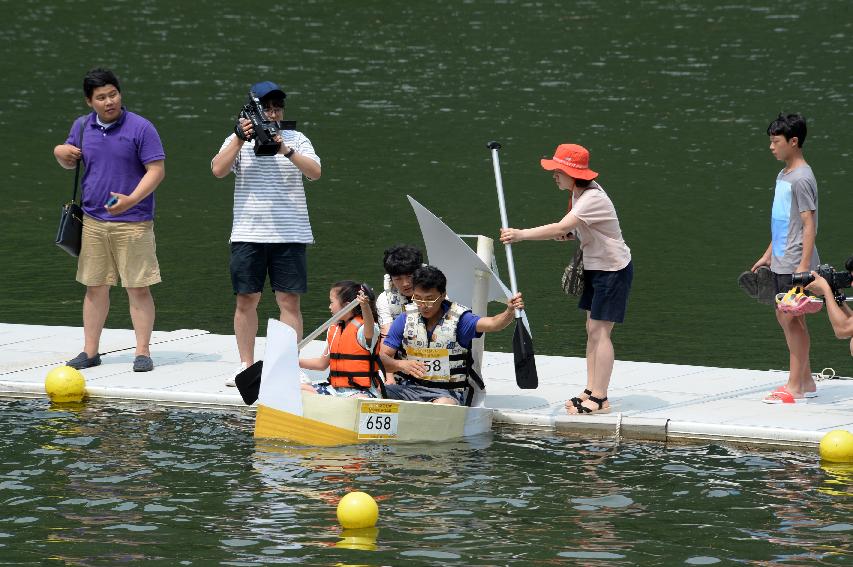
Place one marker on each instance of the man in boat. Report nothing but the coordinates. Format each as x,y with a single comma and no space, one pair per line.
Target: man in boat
271,229
400,263
433,339
125,164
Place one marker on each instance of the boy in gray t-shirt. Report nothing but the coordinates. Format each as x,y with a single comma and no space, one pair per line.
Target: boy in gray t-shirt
795,196
793,229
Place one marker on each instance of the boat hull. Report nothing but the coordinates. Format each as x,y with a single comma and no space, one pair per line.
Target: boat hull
331,421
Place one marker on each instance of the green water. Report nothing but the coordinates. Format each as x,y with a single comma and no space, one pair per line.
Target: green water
672,98
109,486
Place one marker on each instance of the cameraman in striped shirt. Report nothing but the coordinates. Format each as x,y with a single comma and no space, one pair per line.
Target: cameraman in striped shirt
271,227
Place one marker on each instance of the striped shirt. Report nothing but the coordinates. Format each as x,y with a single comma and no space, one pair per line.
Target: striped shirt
269,197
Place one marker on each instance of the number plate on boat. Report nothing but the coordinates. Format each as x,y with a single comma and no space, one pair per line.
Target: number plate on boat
377,420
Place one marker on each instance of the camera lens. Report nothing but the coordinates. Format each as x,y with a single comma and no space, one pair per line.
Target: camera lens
802,278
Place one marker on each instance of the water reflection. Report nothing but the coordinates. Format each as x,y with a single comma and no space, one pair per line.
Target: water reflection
156,484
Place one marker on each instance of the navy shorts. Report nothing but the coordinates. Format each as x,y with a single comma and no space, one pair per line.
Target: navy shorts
783,282
605,294
285,263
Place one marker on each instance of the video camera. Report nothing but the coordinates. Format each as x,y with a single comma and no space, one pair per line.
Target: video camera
265,130
837,280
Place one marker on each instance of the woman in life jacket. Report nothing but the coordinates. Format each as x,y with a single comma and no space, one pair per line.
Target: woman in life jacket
351,353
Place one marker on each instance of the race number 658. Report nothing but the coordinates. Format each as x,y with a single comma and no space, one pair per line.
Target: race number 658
378,423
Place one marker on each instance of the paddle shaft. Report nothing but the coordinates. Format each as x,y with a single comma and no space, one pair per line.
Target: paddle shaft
332,320
513,286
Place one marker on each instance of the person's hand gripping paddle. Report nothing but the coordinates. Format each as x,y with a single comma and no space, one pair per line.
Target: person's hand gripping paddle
522,344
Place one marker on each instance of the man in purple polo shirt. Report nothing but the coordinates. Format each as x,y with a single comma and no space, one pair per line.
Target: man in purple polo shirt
124,164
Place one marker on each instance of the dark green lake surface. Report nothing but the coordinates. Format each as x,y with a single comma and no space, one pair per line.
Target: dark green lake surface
99,485
673,99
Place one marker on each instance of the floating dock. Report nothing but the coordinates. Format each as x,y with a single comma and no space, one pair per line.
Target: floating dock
649,401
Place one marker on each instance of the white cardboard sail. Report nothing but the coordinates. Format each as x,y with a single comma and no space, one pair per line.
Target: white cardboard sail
280,387
449,253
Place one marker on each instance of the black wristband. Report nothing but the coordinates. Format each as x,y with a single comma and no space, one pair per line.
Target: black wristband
290,153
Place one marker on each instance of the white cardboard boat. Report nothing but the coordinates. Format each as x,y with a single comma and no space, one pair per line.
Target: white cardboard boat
285,412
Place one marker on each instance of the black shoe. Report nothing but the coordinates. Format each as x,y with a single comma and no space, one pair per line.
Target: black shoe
82,361
766,286
143,363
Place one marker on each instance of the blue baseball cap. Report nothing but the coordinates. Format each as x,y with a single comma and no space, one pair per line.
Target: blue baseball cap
266,88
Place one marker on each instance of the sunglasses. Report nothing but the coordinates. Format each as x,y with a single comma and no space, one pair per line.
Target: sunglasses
425,302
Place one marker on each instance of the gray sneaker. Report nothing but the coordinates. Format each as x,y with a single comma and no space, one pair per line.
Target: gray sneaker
143,363
82,361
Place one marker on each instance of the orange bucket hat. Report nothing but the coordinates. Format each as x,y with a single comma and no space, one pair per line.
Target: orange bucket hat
571,159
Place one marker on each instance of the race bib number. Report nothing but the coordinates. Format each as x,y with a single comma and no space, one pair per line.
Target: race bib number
377,419
436,360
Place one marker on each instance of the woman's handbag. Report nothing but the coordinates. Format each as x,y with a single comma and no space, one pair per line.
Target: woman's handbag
69,235
572,280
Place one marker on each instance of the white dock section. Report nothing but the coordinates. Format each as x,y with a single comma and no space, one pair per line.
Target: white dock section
649,401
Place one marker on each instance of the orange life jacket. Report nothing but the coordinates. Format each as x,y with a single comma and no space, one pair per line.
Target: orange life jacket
350,366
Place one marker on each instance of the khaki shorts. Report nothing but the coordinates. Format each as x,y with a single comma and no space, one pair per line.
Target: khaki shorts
113,250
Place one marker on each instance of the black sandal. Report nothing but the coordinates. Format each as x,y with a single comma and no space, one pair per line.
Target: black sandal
577,401
600,401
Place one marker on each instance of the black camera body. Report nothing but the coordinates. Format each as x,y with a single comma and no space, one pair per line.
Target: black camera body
265,130
837,280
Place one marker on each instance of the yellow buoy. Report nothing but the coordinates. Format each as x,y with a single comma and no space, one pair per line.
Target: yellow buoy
357,510
837,446
65,384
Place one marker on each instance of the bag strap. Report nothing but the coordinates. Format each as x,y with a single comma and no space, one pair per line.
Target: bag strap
79,161
578,252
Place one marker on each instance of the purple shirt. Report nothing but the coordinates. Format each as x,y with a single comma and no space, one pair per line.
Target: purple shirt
466,330
115,158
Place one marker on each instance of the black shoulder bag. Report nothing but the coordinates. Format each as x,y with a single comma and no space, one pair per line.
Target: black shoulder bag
572,280
70,232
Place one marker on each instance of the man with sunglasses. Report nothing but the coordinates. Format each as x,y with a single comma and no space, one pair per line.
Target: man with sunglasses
433,340
271,228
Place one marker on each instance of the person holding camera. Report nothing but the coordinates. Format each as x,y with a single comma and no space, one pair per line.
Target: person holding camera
840,316
271,228
124,164
792,250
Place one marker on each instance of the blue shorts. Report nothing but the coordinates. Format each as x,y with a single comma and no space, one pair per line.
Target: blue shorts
605,294
285,263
